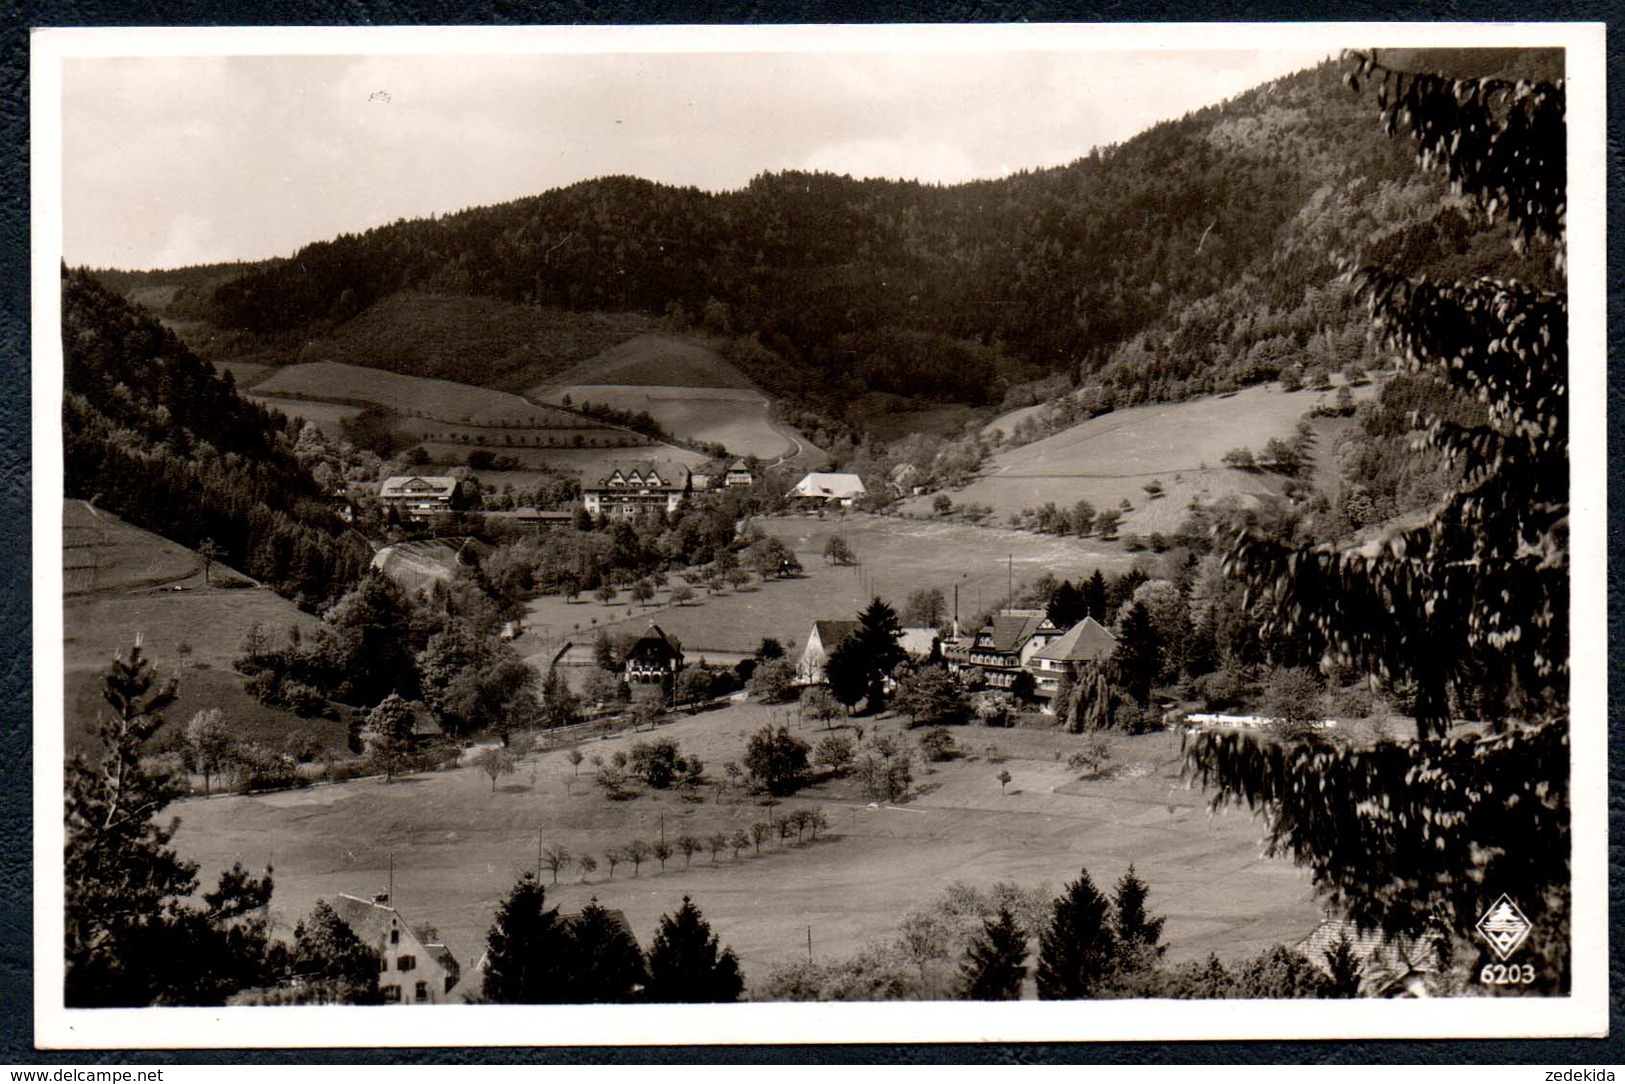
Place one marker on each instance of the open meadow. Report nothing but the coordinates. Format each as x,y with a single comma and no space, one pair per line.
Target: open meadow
692,391
457,846
896,557
123,582
1110,458
447,400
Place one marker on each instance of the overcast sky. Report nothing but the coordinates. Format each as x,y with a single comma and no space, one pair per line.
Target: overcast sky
170,161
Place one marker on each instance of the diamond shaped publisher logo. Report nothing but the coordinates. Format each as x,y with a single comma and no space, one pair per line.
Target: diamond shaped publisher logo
1504,927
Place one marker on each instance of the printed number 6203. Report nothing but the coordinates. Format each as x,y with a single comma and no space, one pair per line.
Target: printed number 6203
1507,974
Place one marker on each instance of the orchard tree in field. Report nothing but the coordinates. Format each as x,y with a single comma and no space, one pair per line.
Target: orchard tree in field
776,759
495,762
820,705
687,965
995,961
209,553
556,859
1077,950
689,845
1422,835
837,552
132,935
773,682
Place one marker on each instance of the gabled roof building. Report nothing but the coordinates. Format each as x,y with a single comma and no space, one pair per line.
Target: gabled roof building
410,971
821,488
632,489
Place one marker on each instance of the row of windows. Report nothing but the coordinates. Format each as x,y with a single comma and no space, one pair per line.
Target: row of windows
392,994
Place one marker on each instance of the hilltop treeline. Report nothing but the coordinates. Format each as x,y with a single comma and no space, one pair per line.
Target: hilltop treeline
158,437
1197,257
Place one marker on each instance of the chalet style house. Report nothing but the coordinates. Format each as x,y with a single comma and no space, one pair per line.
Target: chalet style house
410,971
654,660
418,497
818,488
738,474
632,489
1001,648
1087,641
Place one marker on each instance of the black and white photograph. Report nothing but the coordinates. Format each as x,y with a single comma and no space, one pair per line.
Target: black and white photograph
612,535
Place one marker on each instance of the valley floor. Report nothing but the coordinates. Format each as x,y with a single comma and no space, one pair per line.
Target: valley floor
457,847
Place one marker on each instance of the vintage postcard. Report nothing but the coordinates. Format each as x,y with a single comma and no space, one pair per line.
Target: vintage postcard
822,534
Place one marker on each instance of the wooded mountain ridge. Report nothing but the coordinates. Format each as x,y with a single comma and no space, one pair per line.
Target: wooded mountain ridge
1204,254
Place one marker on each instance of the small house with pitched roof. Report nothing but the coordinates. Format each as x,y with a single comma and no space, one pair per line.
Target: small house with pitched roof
820,642
738,474
410,971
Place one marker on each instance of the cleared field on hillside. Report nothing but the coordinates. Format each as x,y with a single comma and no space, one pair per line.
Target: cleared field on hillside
128,582
327,416
1110,458
738,420
471,339
898,556
657,360
457,847
338,383
692,391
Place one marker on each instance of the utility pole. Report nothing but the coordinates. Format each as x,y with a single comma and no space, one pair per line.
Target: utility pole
809,946
662,828
538,854
392,878
1010,586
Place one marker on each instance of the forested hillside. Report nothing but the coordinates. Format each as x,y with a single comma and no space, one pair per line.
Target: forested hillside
1202,255
158,437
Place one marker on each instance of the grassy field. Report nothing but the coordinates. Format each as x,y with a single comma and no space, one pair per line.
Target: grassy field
740,421
472,339
656,360
694,392
1108,459
444,399
897,556
457,847
123,582
327,416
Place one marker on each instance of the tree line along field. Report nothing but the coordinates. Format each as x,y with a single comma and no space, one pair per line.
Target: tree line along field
895,557
458,847
1110,458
